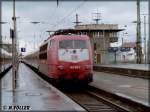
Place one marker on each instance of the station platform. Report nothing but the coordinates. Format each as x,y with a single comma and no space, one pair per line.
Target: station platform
127,65
4,66
33,94
135,89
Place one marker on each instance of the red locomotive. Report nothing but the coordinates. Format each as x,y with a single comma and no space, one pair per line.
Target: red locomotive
67,58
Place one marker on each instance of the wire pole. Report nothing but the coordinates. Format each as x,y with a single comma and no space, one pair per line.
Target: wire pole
77,21
0,55
96,17
145,39
0,30
138,40
14,58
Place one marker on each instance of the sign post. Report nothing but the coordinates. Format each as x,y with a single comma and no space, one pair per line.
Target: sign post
114,50
23,49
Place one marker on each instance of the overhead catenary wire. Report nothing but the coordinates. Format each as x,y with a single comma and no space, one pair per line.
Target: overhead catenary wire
70,13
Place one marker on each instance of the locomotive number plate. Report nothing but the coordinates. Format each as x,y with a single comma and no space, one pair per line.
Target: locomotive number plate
74,67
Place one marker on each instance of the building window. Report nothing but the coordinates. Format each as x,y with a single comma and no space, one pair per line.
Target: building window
113,34
101,34
94,46
98,33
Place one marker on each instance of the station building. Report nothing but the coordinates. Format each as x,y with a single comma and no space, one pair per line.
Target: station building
101,36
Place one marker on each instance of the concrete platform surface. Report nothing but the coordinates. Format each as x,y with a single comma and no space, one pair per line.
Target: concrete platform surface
136,89
33,94
127,65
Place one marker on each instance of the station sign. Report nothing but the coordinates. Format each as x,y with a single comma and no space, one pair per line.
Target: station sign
23,49
113,49
124,49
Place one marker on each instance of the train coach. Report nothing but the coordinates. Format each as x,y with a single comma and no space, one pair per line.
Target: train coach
65,58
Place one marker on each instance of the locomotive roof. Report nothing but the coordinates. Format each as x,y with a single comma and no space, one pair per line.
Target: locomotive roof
60,37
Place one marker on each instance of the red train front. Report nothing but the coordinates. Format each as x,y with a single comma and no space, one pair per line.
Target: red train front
70,58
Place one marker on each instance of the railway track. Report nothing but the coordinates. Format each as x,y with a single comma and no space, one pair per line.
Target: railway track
96,100
93,104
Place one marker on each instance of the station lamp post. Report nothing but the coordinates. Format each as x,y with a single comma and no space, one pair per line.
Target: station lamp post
15,61
145,40
0,53
3,22
35,23
138,35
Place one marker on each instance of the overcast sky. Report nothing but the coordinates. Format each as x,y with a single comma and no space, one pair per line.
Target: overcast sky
63,16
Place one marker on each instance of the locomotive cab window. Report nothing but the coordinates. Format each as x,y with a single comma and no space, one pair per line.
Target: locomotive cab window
72,44
51,43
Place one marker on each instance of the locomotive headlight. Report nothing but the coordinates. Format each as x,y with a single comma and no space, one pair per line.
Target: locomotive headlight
60,67
87,67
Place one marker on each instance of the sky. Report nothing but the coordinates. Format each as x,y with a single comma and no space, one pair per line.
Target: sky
53,17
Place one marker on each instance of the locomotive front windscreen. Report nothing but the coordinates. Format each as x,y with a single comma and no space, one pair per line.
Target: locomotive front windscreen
72,44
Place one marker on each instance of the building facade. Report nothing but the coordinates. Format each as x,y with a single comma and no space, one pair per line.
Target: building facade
101,36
